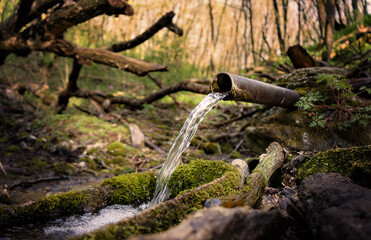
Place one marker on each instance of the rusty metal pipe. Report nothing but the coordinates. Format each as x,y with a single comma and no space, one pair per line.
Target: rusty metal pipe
249,90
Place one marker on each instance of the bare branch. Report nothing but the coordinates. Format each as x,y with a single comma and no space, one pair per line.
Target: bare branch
164,21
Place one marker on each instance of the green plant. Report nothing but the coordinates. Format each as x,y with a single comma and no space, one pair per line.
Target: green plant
340,107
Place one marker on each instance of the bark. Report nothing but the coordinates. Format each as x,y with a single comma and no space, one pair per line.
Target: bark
25,14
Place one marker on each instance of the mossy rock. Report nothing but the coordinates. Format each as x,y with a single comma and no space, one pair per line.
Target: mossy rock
350,162
120,149
64,168
291,129
171,212
14,148
210,148
122,170
196,173
120,160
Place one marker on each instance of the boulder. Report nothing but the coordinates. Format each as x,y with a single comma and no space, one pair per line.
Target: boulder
335,208
290,127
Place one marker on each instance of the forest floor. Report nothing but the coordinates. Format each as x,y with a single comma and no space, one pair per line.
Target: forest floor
42,153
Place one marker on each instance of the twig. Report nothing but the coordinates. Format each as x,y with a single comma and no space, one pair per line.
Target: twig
249,114
268,76
153,146
85,111
3,169
215,138
238,145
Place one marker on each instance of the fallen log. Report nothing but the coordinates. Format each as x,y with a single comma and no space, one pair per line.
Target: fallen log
220,223
171,212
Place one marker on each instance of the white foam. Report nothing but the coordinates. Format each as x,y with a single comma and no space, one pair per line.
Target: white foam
88,222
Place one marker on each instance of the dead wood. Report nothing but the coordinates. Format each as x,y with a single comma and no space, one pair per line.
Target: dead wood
268,76
181,86
299,57
217,137
164,21
154,147
133,103
259,179
249,114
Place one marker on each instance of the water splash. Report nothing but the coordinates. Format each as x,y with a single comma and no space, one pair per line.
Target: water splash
181,143
88,222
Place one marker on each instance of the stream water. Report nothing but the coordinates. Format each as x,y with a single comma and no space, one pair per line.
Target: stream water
79,224
181,143
63,228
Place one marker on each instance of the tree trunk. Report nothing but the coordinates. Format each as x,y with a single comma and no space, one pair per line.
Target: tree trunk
330,26
278,27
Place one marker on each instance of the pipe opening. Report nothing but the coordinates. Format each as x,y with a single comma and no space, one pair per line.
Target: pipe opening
224,82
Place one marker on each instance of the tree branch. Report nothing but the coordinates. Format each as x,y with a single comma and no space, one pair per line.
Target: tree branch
164,21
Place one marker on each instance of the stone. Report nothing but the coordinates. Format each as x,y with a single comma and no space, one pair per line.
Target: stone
137,136
290,127
335,208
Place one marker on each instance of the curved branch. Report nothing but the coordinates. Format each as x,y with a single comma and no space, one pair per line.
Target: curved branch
182,86
164,21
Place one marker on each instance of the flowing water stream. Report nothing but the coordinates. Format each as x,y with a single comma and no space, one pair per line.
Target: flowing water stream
181,143
75,225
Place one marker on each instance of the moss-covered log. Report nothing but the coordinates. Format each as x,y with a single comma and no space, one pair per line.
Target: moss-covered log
171,212
125,189
258,179
226,223
350,162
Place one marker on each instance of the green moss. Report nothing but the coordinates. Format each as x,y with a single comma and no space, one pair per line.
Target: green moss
132,188
64,168
38,163
4,138
171,212
120,149
92,164
196,173
210,148
14,148
236,154
226,147
350,162
122,170
120,160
